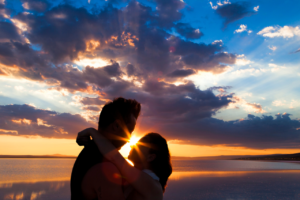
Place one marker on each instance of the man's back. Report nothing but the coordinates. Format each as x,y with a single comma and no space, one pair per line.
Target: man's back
87,158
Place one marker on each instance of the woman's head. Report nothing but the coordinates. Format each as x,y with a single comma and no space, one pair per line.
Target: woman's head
152,152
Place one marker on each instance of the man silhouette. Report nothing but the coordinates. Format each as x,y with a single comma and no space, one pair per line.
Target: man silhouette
92,176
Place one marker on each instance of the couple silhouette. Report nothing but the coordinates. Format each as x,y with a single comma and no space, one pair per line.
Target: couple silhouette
101,172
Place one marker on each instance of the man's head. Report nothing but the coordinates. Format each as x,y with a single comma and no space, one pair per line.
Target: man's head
118,118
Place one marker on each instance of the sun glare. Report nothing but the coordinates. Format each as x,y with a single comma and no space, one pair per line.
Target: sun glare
133,140
127,147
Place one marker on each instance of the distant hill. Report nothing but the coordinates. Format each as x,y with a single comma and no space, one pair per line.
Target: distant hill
289,157
37,156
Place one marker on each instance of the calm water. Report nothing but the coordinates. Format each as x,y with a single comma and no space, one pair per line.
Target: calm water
48,179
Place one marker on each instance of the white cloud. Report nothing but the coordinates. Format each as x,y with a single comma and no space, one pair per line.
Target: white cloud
294,104
242,28
273,48
26,5
283,103
19,88
249,107
273,65
278,103
219,3
241,60
256,8
212,6
278,31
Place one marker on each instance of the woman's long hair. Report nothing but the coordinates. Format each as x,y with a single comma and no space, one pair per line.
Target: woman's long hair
161,165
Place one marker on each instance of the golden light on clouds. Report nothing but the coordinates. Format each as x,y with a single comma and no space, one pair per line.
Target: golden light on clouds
124,40
22,121
93,62
92,45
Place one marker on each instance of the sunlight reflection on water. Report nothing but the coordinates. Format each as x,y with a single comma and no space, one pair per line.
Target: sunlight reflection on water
48,179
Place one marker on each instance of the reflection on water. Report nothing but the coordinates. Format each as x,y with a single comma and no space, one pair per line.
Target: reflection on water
25,179
58,190
231,165
20,170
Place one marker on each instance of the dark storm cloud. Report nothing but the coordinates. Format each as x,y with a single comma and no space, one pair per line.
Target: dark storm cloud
204,57
35,5
28,120
187,31
168,12
128,35
75,79
253,132
8,31
234,11
182,73
164,102
23,57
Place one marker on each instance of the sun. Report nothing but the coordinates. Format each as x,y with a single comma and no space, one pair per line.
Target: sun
127,147
133,140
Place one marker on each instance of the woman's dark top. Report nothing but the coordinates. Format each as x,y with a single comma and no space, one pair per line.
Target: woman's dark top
87,158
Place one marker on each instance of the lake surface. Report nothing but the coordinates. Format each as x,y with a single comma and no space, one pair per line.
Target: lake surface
48,179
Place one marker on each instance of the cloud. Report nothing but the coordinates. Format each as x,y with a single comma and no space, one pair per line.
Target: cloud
249,107
278,103
297,51
92,101
252,132
143,62
241,60
273,48
187,31
35,5
92,108
242,29
256,8
283,103
234,11
28,120
8,31
219,4
278,31
182,73
74,34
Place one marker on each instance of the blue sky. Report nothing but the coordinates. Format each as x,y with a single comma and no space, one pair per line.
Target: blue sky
187,62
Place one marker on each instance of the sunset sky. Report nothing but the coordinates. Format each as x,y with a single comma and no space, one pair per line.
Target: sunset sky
213,77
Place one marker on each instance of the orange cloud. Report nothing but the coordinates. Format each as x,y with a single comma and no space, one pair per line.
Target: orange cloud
8,131
124,40
21,121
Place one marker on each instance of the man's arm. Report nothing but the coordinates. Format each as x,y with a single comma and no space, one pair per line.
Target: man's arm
106,181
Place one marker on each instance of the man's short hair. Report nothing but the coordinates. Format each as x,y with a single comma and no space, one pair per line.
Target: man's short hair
116,108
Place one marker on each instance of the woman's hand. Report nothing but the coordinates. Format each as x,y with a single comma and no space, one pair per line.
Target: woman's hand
84,136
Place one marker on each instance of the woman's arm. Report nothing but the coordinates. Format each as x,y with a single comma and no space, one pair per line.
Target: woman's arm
139,180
